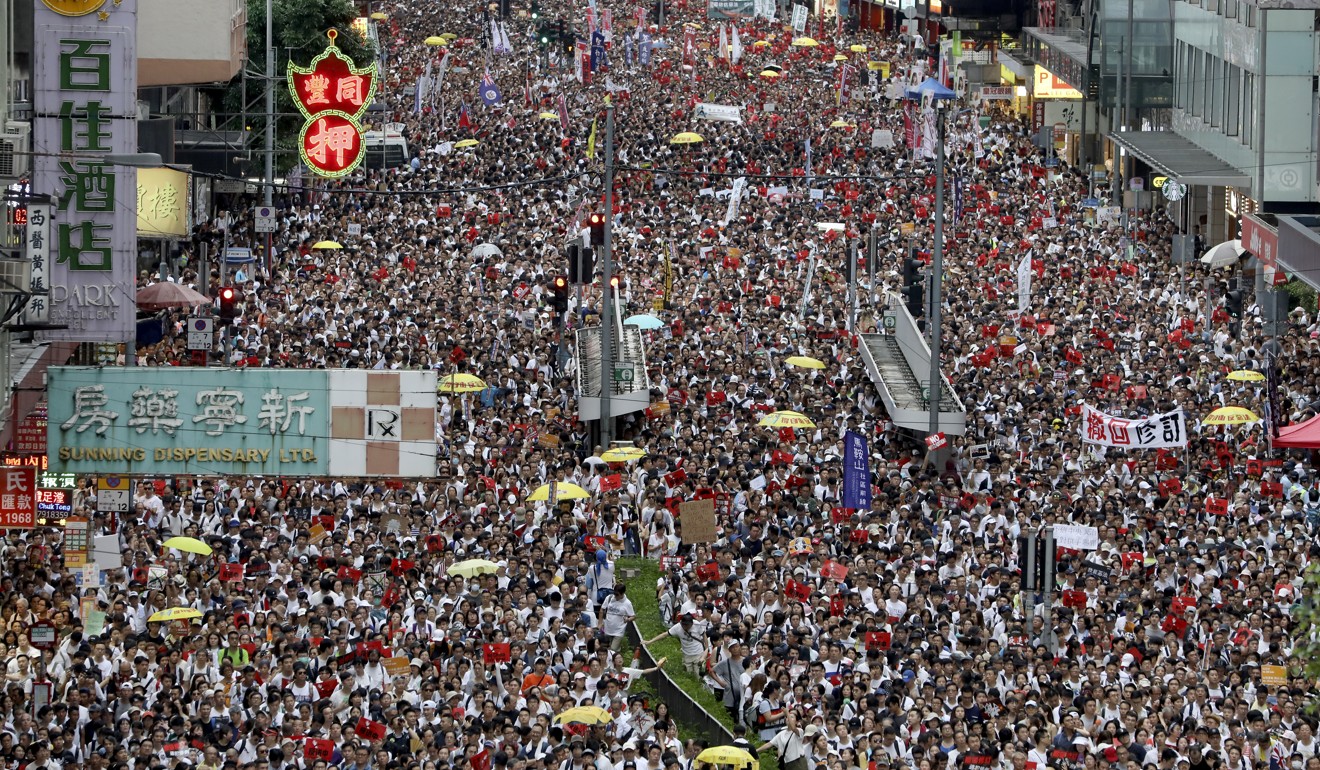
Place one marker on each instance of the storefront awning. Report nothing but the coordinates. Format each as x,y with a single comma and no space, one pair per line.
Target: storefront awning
1176,156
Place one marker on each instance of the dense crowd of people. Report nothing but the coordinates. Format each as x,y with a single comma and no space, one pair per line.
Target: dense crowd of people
883,639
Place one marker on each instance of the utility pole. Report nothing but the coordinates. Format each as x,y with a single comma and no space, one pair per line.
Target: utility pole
268,199
937,272
607,300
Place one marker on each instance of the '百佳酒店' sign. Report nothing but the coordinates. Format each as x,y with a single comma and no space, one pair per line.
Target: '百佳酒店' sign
85,107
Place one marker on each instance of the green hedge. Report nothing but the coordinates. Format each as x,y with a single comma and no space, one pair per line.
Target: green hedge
641,591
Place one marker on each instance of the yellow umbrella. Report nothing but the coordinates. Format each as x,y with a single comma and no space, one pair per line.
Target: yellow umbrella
769,74
786,419
692,24
687,137
378,16
725,755
189,544
1230,415
327,245
842,124
449,35
587,715
473,567
857,48
460,382
435,40
463,144
623,454
175,613
761,44
563,491
1246,375
841,57
806,362
548,116
805,42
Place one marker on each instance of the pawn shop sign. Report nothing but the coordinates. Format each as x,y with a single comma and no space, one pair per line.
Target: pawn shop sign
936,441
332,94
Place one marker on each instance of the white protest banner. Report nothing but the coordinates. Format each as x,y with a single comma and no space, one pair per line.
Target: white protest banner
722,112
799,18
1024,282
1159,431
1076,537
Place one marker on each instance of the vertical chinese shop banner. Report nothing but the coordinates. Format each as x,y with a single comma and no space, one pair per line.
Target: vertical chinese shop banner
86,106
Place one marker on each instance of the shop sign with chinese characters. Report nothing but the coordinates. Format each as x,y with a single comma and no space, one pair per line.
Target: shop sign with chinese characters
241,421
85,106
332,95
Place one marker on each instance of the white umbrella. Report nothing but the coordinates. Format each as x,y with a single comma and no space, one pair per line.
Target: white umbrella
1224,254
487,250
594,461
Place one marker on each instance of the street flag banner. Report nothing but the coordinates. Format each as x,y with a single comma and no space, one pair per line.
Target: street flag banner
563,113
591,141
1159,431
464,120
856,472
490,93
644,48
735,46
689,45
724,43
597,50
1024,282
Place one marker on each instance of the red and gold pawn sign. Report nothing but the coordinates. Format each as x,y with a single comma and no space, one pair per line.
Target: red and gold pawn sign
333,94
331,144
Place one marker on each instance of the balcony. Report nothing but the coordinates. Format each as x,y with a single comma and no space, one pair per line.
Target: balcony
190,42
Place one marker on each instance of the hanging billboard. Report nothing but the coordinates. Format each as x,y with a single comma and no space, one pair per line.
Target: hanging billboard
210,421
85,107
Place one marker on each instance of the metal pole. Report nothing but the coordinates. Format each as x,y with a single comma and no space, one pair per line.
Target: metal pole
607,301
1047,633
1116,192
1260,113
269,197
852,290
1129,113
937,272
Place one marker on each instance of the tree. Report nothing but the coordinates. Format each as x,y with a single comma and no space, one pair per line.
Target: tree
299,28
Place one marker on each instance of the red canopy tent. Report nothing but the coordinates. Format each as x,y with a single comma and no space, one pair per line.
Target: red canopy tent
1303,435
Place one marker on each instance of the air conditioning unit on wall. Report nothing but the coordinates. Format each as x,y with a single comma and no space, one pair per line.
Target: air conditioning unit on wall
15,150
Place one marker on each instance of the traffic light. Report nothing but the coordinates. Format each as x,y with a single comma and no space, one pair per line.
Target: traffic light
228,304
1233,303
581,263
543,35
536,11
559,297
911,272
597,224
915,299
614,283
872,252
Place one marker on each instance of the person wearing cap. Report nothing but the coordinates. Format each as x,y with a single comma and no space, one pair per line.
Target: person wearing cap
691,635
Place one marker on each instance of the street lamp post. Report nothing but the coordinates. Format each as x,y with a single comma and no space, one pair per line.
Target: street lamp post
607,293
937,271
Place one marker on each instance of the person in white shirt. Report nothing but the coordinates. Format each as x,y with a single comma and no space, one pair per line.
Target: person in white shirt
616,613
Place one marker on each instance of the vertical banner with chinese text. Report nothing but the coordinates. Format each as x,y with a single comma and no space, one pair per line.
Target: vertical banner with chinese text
856,472
85,106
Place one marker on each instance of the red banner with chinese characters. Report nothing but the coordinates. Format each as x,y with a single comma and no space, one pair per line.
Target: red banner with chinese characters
332,94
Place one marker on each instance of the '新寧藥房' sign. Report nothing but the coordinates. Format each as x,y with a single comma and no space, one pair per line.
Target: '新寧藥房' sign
85,107
241,421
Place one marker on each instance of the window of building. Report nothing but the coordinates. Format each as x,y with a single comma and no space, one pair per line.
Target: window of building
1216,78
1249,102
1233,116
